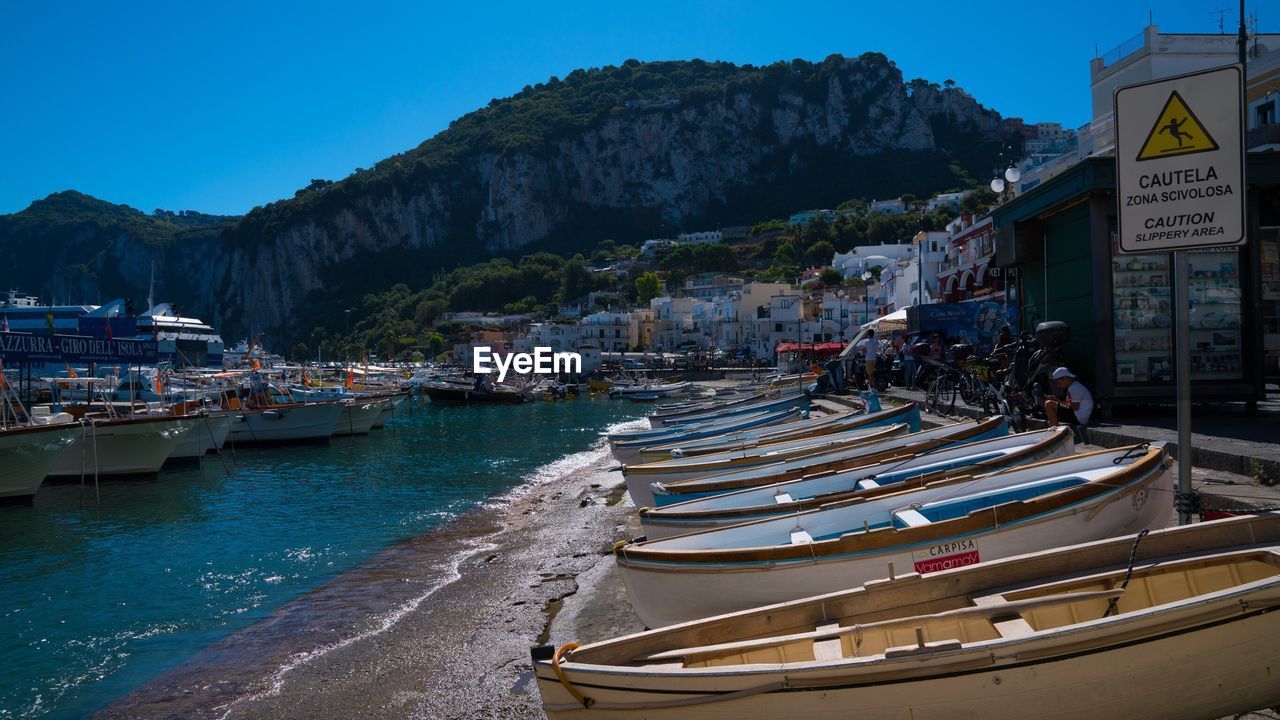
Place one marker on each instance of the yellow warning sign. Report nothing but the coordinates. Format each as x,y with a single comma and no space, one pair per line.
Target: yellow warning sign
1177,131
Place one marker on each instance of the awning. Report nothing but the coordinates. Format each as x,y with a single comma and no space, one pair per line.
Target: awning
896,320
822,348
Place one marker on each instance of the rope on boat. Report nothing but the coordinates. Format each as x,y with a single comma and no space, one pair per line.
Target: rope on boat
1114,604
555,666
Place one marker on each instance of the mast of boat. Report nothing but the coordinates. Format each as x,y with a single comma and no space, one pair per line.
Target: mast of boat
151,291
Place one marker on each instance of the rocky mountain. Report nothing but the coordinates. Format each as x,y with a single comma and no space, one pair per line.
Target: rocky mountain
628,152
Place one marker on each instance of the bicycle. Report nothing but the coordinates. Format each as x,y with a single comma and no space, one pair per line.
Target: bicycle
941,395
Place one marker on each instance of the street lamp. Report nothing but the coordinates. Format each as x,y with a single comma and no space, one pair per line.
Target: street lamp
841,294
1000,185
866,294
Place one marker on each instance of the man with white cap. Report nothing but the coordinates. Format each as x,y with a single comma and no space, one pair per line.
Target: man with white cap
1076,404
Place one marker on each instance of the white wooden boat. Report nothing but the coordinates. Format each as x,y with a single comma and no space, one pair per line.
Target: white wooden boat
658,389
807,493
388,405
124,446
288,423
676,412
1194,633
769,435
27,453
678,470
774,403
209,432
628,450
671,492
358,417
948,524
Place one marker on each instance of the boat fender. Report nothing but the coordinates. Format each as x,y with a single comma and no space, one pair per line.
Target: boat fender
618,546
658,489
273,414
677,453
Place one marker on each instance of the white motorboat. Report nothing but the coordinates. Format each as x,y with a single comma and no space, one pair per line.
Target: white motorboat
27,453
287,423
122,446
358,417
208,433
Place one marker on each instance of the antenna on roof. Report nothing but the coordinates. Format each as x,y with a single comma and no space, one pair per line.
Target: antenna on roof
1221,13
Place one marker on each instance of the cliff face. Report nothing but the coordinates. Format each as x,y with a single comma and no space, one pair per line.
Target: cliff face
733,146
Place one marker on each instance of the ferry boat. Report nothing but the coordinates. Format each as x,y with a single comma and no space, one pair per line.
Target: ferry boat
181,341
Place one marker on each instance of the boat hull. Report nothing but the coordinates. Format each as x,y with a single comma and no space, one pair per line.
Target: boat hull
1229,665
207,434
358,417
287,424
27,455
455,396
666,593
135,446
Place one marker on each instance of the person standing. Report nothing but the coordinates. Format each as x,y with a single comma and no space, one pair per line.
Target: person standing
1075,406
869,347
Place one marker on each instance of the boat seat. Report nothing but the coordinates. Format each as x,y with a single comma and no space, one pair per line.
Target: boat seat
867,484
911,518
1012,625
800,537
830,648
782,498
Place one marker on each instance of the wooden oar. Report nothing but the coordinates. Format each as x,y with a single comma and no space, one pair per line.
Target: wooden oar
1006,608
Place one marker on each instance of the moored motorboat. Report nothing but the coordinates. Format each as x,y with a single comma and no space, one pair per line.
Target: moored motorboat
449,393
808,493
358,416
27,453
1181,624
122,446
945,524
287,423
208,433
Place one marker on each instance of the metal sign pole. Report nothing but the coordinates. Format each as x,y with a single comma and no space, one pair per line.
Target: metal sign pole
1183,337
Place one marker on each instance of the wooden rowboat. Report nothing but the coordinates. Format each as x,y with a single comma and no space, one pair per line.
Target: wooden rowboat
812,492
958,522
628,450
1182,624
671,492
757,437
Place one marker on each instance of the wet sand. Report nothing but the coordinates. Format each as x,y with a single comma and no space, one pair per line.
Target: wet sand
437,627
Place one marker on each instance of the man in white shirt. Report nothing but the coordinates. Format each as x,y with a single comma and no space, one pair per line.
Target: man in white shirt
1076,405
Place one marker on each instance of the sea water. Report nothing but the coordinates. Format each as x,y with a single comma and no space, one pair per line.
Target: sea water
102,591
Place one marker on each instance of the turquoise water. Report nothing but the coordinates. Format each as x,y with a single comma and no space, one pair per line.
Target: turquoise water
99,597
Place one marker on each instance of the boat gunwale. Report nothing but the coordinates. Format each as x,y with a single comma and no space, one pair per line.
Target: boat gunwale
1148,468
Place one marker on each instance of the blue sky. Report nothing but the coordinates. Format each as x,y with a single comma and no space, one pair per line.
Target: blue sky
220,107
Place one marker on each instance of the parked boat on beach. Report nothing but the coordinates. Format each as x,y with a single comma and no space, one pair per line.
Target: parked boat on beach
27,453
627,447
807,493
669,492
945,524
1180,624
810,428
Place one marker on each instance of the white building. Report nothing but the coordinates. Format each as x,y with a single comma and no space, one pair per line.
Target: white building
609,331
945,200
860,259
700,238
888,207
711,285
651,247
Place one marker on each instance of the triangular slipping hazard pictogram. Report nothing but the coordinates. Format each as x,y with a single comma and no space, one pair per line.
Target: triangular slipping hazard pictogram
1177,131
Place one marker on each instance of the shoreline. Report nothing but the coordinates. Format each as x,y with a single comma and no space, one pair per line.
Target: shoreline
439,625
